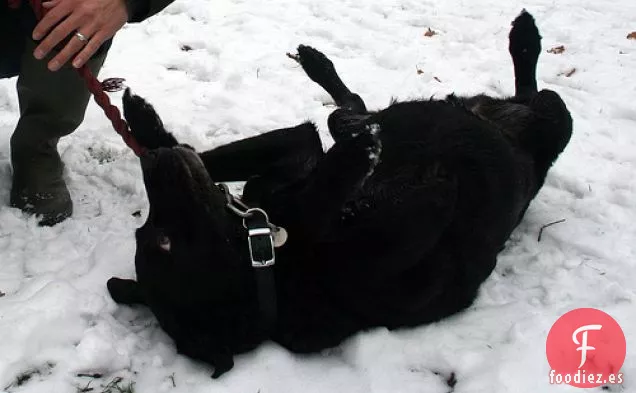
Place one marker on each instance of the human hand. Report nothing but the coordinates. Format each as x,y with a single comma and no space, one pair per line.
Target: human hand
95,20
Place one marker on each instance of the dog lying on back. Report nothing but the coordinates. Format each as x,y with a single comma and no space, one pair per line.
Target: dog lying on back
396,225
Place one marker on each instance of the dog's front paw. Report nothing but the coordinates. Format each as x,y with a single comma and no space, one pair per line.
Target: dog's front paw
145,125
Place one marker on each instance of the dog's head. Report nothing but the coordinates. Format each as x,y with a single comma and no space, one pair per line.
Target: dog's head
188,225
192,257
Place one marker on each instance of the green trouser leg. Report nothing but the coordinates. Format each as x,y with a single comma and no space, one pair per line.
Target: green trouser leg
52,105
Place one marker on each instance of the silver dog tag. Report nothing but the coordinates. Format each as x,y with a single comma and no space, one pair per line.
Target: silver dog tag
280,237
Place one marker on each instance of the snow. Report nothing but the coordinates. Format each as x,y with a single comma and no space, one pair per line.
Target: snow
57,320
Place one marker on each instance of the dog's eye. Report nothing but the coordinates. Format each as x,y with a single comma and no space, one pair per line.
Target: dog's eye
163,242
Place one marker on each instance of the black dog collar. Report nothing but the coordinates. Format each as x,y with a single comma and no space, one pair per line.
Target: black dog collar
261,246
262,255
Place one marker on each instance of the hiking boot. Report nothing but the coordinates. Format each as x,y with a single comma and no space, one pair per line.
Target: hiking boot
38,186
52,105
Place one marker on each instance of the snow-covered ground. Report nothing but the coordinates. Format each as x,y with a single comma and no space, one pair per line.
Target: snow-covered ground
57,321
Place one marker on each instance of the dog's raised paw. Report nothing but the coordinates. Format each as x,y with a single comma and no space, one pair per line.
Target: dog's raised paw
317,66
525,39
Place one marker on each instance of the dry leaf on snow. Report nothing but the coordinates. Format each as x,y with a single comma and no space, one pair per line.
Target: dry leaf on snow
568,73
557,50
430,33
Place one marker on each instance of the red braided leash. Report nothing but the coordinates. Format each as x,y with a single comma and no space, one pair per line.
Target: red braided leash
97,89
111,111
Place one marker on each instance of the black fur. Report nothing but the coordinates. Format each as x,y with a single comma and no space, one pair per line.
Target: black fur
396,225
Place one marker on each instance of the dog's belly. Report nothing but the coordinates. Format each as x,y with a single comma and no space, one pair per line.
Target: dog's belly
399,287
414,243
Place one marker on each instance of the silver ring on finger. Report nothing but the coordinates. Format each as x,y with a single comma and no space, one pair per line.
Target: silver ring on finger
81,37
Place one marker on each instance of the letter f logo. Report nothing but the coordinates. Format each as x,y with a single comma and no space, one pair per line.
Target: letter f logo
589,338
583,344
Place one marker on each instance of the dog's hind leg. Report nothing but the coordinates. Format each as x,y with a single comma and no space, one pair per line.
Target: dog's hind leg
321,70
525,47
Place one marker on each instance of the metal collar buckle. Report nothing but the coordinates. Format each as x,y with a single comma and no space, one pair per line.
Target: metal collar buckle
263,236
259,238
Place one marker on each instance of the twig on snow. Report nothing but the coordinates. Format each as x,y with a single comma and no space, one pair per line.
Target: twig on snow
548,225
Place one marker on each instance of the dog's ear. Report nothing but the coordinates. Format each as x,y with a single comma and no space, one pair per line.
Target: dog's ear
145,124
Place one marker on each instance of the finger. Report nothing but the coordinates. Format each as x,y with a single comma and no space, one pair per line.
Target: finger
61,31
74,45
50,4
89,50
52,18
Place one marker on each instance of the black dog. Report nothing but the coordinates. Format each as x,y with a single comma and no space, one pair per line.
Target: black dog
396,225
